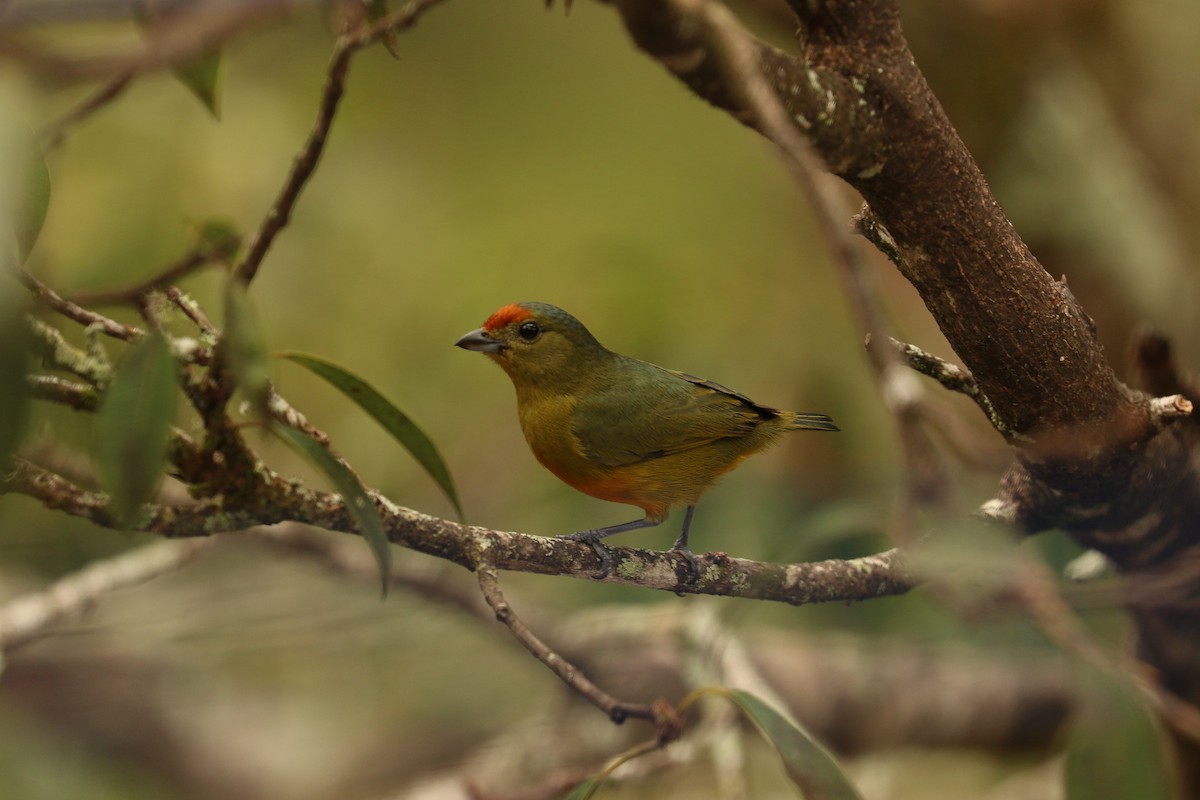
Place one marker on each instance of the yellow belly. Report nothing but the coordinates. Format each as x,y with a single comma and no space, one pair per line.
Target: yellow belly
655,484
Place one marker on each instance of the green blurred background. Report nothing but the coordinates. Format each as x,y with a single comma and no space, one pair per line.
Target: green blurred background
513,154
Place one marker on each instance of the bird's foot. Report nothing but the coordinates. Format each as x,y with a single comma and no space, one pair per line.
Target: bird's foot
602,552
694,565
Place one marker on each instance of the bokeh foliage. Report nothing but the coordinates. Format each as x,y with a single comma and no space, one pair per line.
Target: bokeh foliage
510,154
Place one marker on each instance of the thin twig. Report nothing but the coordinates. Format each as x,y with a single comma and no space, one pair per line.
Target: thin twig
285,413
73,311
47,343
303,166
617,710
191,310
54,389
950,376
27,617
305,162
53,133
194,259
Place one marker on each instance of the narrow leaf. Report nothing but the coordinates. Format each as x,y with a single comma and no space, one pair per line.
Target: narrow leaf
244,347
1115,749
351,489
808,764
201,76
159,18
134,426
14,367
585,790
394,421
31,205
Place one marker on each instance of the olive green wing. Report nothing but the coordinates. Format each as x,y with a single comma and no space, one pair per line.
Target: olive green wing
653,412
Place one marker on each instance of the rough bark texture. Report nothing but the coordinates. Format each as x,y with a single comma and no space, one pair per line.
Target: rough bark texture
1091,456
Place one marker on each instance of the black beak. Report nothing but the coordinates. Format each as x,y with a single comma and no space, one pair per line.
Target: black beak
479,341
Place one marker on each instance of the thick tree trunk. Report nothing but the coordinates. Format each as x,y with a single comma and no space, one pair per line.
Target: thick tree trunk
1093,456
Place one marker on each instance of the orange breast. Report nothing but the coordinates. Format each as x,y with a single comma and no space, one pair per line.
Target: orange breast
616,486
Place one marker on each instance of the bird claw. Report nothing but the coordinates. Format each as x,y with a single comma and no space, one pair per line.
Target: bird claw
602,551
693,560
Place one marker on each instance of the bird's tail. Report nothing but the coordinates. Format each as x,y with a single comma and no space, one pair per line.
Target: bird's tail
811,422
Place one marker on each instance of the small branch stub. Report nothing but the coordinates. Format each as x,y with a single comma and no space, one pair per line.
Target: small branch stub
1166,410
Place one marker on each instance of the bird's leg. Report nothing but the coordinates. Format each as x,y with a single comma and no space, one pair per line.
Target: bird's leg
681,547
594,536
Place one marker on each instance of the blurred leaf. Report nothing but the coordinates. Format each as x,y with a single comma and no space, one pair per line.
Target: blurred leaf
808,764
134,425
395,421
245,348
1116,749
32,203
377,10
586,789
812,770
14,367
351,489
201,75
220,238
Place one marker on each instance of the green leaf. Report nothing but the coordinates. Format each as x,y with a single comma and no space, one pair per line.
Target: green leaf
14,367
1115,749
220,239
244,347
31,204
809,765
133,427
351,489
585,790
201,76
394,421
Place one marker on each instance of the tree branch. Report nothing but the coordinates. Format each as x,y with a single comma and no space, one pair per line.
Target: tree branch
859,98
305,162
195,258
738,64
280,500
617,710
25,618
53,133
53,300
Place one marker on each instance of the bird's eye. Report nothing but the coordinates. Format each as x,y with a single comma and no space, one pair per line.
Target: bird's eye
529,331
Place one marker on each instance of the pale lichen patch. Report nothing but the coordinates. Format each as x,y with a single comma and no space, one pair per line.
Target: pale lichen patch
630,569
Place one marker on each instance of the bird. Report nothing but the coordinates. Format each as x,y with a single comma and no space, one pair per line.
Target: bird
621,429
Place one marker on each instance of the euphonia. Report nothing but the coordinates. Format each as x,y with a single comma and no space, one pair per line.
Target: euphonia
621,429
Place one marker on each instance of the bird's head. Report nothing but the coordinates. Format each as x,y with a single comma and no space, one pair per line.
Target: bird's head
535,343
